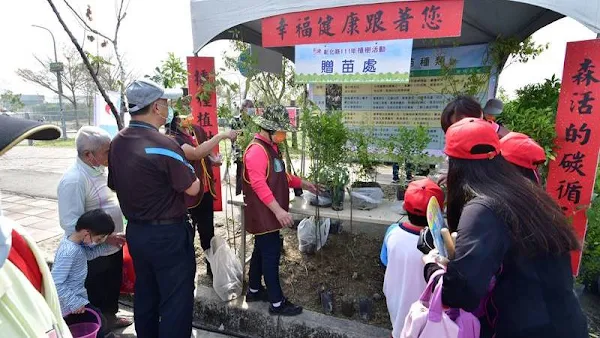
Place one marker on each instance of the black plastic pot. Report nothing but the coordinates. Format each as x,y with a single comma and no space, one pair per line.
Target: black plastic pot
337,198
400,191
366,185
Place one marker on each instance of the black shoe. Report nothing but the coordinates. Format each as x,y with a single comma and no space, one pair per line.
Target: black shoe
260,296
285,309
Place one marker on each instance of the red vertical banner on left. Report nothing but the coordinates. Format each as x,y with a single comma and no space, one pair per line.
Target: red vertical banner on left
201,71
573,173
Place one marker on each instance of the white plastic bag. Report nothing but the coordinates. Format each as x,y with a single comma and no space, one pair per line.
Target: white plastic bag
310,237
323,200
226,269
366,198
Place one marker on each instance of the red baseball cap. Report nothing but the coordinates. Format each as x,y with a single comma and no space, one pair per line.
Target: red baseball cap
467,133
521,150
419,193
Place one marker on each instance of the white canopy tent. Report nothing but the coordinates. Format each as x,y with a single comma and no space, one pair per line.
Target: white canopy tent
483,20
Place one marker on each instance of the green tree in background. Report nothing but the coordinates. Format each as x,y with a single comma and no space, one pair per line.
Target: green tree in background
11,101
533,112
171,73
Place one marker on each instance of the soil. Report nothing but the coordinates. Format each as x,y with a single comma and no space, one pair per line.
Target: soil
348,265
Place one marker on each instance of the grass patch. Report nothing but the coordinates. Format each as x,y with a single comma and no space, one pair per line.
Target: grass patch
68,143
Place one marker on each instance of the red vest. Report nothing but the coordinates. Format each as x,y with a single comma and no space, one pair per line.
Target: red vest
259,219
203,168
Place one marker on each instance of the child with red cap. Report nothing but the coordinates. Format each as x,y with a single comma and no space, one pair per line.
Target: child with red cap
403,282
524,153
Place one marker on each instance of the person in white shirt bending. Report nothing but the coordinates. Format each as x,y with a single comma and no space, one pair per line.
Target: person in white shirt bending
403,282
82,188
69,270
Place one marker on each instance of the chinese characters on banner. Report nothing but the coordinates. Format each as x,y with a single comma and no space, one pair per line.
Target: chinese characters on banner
201,70
356,62
384,21
385,106
573,173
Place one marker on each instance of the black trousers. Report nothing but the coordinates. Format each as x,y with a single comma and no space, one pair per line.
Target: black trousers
203,218
165,267
265,264
239,176
103,283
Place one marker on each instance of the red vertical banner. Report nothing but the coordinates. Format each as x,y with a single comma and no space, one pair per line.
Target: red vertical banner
573,173
201,72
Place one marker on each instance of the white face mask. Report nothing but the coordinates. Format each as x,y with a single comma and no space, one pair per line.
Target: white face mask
98,168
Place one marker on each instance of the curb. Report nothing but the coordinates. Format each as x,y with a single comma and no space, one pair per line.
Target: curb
253,320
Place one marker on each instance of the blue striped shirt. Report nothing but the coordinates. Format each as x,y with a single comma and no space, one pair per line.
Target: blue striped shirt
70,270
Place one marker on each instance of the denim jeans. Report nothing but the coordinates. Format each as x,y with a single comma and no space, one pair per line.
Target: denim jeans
265,263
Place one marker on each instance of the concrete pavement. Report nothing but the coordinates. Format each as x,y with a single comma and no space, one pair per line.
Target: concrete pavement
34,171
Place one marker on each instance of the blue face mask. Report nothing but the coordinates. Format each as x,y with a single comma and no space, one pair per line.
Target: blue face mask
90,245
170,115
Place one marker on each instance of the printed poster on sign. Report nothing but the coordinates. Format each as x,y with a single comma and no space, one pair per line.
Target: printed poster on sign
372,22
201,71
354,62
383,107
572,174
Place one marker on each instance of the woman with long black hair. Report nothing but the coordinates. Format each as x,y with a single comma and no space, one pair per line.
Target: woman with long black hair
511,230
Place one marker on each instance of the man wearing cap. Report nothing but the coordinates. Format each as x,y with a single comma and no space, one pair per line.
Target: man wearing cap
403,282
493,108
149,172
29,305
266,187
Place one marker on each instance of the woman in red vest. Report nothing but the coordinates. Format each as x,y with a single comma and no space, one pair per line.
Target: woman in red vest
266,188
198,151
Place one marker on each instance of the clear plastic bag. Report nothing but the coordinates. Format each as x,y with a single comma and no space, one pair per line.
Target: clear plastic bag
323,200
366,198
226,269
310,237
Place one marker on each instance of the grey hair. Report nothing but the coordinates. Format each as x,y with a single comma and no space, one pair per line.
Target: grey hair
90,138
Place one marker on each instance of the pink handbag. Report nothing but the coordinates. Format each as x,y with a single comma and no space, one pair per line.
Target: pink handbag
428,319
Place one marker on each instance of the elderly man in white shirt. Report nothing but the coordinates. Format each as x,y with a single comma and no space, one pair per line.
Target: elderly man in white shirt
83,188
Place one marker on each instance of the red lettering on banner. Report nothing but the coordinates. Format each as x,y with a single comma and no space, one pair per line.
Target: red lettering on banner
201,71
572,175
384,21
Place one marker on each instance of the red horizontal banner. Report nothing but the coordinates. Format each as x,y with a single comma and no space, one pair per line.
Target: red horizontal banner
572,175
385,21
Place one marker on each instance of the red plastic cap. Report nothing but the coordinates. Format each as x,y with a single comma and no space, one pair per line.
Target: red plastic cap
521,150
419,193
467,133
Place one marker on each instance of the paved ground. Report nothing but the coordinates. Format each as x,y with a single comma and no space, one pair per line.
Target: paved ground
34,171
